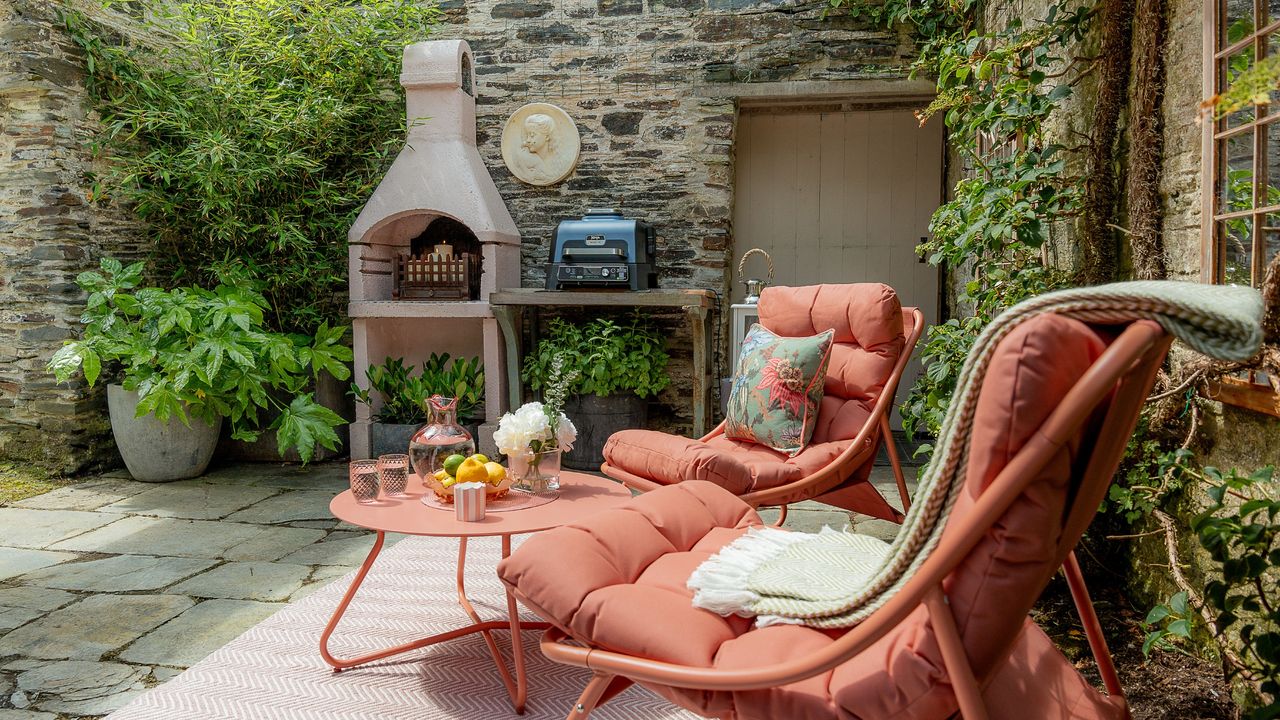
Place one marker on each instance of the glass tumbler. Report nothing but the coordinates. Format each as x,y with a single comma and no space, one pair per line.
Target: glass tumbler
363,475
393,472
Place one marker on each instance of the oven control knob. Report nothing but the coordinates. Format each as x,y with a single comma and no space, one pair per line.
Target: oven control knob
604,272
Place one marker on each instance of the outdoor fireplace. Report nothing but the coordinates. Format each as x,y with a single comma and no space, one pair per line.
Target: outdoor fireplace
437,192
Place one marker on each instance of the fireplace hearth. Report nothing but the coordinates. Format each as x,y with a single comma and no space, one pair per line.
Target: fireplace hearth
437,192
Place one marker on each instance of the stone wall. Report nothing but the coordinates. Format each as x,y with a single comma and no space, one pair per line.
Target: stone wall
48,234
653,86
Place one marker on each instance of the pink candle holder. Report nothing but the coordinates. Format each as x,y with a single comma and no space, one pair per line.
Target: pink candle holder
468,501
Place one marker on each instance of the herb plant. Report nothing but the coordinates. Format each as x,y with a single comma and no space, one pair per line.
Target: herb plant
191,351
253,130
600,357
404,395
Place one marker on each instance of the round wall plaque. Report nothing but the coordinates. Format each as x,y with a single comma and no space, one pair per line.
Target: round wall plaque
540,144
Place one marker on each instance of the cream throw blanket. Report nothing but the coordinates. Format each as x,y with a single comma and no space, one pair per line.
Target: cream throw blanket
835,579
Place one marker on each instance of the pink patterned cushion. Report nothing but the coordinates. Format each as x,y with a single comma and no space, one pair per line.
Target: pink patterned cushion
777,388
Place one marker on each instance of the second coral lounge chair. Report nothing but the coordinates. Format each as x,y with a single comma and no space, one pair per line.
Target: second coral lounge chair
874,338
1058,404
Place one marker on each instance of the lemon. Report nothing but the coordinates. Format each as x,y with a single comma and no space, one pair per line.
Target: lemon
497,473
441,475
452,462
449,480
472,470
482,459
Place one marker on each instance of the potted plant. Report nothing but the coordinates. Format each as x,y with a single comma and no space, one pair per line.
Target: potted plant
614,368
188,358
404,397
536,437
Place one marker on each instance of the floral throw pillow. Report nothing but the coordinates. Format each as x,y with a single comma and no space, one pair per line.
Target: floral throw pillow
777,388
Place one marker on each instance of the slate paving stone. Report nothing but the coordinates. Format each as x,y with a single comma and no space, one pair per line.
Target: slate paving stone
8,714
16,561
877,528
247,581
288,507
194,538
122,573
194,634
88,629
11,618
27,528
34,598
198,501
84,496
79,687
347,551
317,524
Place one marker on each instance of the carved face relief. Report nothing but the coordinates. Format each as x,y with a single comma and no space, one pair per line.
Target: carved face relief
540,144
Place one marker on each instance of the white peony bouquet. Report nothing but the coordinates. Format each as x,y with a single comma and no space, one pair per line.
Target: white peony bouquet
534,428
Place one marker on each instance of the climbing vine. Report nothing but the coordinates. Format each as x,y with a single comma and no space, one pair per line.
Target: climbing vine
997,91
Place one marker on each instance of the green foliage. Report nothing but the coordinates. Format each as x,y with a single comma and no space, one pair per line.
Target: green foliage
205,352
252,130
404,395
601,357
1241,533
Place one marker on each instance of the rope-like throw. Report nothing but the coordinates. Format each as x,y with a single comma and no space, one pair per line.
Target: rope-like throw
836,579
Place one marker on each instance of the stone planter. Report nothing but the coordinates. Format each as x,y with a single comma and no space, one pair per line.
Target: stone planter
597,418
389,439
155,451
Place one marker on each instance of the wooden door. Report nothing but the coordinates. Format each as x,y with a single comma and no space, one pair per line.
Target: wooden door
840,197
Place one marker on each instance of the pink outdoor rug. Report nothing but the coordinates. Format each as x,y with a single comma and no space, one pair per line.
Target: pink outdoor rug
274,670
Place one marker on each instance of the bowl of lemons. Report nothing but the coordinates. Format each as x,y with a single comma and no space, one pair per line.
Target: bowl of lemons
474,468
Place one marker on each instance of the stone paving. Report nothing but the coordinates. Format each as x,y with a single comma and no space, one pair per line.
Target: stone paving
110,586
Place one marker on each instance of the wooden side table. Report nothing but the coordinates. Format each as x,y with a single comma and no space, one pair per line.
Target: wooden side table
509,306
580,495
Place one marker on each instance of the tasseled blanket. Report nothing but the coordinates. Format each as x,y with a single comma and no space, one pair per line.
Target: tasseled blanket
835,579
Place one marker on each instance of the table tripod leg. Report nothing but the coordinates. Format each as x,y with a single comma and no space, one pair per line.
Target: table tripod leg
517,642
503,672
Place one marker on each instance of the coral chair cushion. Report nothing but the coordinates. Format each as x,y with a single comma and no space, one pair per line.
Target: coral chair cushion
776,389
866,319
738,466
616,580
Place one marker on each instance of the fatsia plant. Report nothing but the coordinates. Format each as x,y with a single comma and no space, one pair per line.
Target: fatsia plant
205,353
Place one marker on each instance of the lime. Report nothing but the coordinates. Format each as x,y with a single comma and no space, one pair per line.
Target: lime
452,462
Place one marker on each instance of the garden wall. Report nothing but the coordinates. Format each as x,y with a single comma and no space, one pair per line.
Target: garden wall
48,234
653,86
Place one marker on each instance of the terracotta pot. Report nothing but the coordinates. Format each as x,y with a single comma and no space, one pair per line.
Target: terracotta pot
159,452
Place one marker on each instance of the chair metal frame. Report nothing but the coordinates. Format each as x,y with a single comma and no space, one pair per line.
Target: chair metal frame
1124,373
835,473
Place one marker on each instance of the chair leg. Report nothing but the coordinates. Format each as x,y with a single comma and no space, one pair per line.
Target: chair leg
891,448
590,697
1092,628
954,658
782,516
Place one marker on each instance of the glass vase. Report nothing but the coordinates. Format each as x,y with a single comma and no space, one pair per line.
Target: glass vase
440,438
536,472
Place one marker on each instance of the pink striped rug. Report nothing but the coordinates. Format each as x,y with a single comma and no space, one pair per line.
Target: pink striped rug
274,669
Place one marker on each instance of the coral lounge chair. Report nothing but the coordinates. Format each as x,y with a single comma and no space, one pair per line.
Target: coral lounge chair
1057,406
875,336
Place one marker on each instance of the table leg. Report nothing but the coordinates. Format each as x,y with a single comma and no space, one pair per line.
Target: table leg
516,685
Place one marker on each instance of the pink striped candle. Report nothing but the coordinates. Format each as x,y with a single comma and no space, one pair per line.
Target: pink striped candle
468,501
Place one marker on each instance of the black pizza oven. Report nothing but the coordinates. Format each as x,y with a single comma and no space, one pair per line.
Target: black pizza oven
602,250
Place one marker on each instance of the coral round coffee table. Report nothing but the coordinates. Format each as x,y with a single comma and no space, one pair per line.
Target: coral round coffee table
580,495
